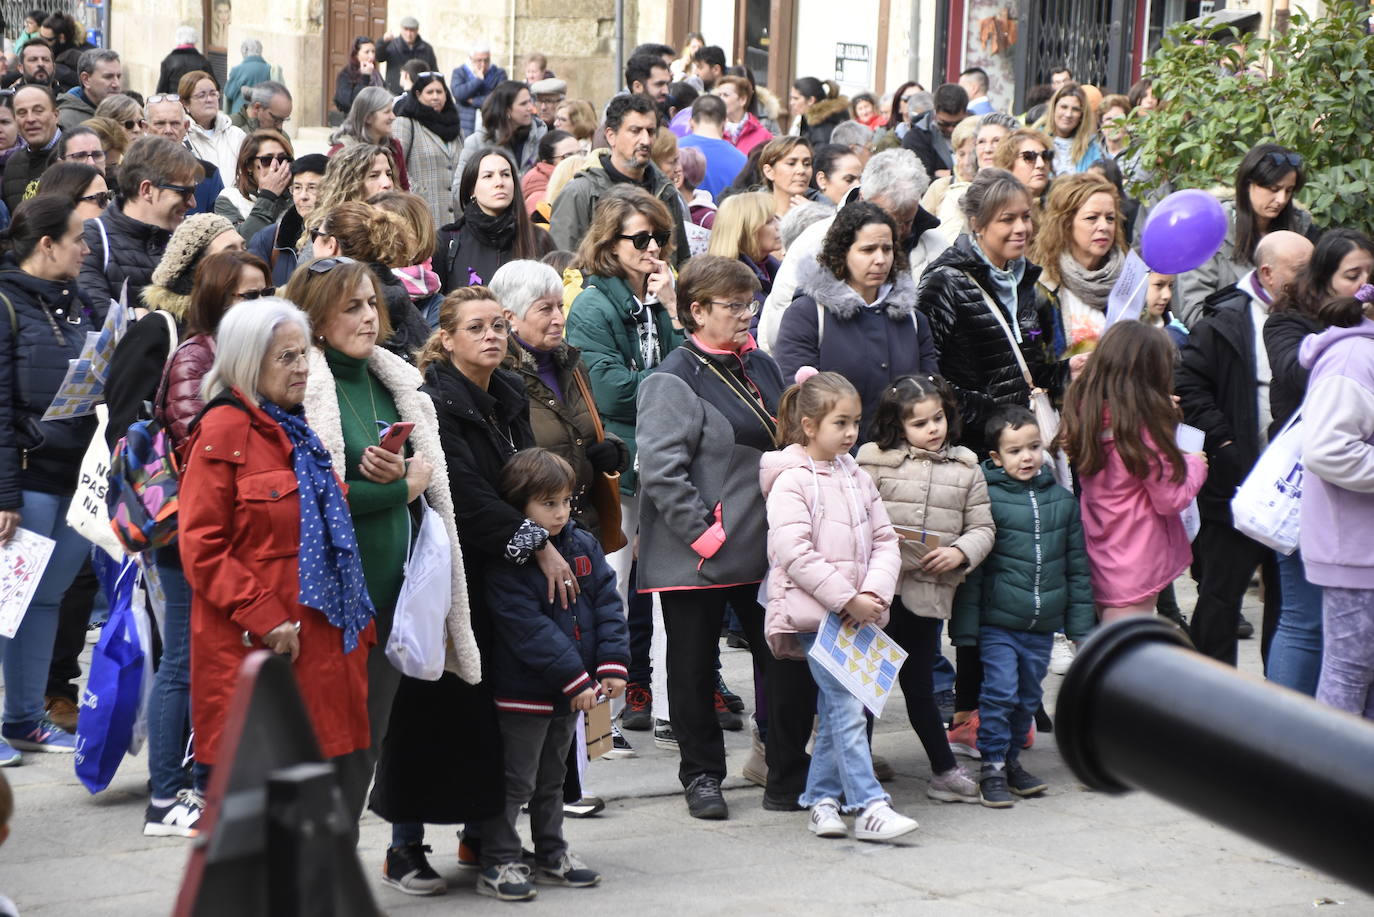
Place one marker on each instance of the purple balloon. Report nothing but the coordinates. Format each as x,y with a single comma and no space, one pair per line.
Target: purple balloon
1184,230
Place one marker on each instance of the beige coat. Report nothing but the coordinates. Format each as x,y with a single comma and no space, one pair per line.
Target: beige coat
943,493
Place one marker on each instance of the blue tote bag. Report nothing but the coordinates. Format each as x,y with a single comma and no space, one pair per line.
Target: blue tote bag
109,704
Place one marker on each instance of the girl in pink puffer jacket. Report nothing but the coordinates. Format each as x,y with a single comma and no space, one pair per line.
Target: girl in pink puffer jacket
831,550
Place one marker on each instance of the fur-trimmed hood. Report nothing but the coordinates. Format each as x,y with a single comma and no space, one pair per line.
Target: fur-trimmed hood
403,381
160,299
826,110
897,299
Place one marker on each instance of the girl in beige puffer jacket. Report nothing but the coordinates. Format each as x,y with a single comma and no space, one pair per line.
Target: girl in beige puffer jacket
937,497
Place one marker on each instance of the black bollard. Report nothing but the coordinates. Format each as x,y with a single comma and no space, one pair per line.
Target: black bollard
1140,709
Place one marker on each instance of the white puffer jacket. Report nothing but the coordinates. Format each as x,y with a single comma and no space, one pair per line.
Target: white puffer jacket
220,145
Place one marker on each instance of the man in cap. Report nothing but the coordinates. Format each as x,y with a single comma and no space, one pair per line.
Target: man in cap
548,95
397,51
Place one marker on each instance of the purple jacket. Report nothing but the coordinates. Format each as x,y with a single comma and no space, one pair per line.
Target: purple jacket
1337,522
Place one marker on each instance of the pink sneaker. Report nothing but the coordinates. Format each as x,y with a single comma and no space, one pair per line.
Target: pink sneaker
954,785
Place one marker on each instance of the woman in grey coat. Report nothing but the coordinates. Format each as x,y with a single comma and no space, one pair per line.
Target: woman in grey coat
431,142
706,416
508,121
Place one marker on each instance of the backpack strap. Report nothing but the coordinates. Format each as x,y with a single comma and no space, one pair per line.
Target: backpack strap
104,244
161,396
14,319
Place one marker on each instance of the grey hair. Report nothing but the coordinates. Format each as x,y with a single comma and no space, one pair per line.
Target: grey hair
241,343
800,217
94,57
990,191
263,93
852,134
250,47
920,102
517,284
480,48
148,107
1001,119
896,176
186,35
367,103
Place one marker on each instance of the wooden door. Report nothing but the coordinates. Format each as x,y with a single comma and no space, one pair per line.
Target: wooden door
344,21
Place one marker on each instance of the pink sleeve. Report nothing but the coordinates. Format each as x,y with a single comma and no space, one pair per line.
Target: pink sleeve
1169,497
885,564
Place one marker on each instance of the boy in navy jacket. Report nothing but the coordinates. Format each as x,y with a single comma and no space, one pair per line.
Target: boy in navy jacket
547,665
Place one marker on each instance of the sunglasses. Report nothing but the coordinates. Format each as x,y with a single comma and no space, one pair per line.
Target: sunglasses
325,265
183,190
640,240
266,161
428,73
130,125
257,294
101,198
1029,157
1286,159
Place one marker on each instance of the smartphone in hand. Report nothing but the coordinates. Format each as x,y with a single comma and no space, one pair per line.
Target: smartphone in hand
394,437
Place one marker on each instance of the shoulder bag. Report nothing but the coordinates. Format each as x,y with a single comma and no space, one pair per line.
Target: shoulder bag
605,489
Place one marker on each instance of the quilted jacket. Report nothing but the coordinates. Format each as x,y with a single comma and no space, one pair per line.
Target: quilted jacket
180,402
135,248
51,319
943,493
974,354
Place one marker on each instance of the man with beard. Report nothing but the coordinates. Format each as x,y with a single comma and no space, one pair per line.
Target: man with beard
35,66
631,123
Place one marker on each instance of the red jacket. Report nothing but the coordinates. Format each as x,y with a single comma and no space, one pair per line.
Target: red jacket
751,135
181,402
535,185
240,536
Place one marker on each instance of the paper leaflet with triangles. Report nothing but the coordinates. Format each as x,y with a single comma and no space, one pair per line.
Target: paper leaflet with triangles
865,660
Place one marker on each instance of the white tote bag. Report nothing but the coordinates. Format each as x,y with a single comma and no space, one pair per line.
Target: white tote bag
416,644
88,515
1268,502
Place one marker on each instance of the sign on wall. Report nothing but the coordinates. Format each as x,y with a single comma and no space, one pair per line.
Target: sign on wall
853,64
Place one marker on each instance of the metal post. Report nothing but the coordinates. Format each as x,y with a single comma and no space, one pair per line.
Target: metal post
1141,709
619,42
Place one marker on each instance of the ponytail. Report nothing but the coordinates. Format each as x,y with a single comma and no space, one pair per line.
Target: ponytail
43,216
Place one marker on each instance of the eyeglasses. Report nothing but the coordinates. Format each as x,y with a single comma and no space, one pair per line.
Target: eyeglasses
738,308
205,95
101,198
477,330
288,358
305,189
1030,156
560,158
256,294
325,265
183,190
163,97
266,161
83,155
640,240
1286,159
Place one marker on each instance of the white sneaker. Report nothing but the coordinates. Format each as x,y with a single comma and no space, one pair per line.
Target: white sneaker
1061,655
880,823
826,821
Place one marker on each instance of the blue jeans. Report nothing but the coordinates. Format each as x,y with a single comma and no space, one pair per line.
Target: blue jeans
841,762
170,702
1295,656
1014,664
943,679
27,656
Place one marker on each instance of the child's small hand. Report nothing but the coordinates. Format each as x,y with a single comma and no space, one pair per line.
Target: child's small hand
584,700
613,687
943,560
1201,455
863,609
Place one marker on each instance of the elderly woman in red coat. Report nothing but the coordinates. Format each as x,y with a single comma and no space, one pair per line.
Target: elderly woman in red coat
268,546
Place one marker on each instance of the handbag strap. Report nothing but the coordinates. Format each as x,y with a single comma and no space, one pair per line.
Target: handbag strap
160,398
1006,329
591,405
735,386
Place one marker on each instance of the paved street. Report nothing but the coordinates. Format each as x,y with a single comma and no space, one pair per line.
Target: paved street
1069,852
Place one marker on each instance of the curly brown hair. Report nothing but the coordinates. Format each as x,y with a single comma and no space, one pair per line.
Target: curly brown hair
1067,196
834,254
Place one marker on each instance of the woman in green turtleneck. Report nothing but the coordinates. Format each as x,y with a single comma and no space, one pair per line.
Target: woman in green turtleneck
354,390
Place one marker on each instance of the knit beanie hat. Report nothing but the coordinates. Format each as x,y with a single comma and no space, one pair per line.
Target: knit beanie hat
177,269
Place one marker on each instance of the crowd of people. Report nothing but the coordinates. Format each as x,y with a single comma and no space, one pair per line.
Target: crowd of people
685,365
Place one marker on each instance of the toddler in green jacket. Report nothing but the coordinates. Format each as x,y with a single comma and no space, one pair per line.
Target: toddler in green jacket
1035,582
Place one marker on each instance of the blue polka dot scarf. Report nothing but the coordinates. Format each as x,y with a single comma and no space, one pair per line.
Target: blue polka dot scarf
331,572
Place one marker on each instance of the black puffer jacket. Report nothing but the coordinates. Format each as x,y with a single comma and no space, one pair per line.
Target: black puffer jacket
463,252
22,170
1283,332
975,355
135,248
1216,387
50,325
408,329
